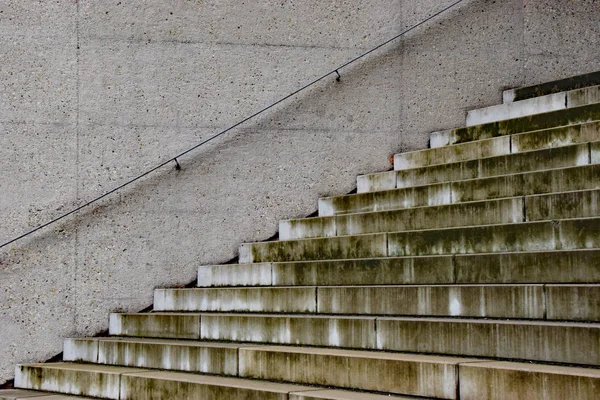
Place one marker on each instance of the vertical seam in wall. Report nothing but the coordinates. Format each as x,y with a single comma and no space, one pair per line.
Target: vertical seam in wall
524,209
317,299
510,144
590,153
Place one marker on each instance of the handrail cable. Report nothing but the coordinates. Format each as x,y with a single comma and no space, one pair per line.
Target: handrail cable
174,159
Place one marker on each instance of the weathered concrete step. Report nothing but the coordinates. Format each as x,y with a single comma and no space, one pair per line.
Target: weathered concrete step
175,355
274,299
417,375
525,381
18,394
463,214
502,301
155,325
553,119
576,266
499,146
584,177
566,234
544,341
137,384
535,105
561,85
563,205
575,204
515,163
334,331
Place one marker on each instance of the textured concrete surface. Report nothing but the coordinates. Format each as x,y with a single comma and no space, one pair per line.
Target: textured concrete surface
501,380
93,93
180,326
415,375
351,332
525,340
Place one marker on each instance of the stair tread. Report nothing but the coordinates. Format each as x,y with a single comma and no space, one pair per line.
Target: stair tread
545,368
18,394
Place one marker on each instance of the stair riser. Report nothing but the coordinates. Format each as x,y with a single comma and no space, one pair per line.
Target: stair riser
155,326
393,376
465,301
571,116
337,248
500,146
491,383
295,300
537,105
540,236
541,182
83,383
534,236
219,360
142,388
567,267
573,302
358,333
497,340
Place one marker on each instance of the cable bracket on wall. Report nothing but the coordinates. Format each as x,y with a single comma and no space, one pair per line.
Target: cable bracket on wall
177,166
339,77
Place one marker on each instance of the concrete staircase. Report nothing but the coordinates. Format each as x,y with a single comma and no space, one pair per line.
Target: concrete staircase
471,271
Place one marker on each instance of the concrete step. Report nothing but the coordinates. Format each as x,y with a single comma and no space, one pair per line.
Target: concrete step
464,214
525,381
553,119
18,394
487,301
175,355
542,341
577,266
330,331
273,299
509,144
155,325
138,384
511,210
515,163
569,342
546,88
416,375
584,177
535,105
565,234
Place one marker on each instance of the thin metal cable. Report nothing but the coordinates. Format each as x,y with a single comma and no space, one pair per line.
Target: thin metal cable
174,159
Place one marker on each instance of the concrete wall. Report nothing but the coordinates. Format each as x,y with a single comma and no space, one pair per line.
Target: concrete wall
94,92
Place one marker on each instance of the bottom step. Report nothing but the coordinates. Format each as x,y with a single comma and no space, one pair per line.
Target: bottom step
139,384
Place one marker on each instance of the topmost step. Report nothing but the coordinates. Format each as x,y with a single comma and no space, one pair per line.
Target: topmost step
543,89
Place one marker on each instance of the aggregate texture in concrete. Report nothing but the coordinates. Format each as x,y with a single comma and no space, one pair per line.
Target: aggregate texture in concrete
93,93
